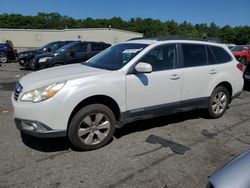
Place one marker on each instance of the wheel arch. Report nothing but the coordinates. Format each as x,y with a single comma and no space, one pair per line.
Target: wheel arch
228,86
57,62
97,99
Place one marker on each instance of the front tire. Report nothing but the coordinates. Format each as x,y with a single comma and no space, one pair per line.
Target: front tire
92,127
218,102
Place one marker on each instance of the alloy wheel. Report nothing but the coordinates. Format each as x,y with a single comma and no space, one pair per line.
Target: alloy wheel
94,128
219,103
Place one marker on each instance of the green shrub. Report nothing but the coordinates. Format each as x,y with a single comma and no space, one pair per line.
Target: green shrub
9,42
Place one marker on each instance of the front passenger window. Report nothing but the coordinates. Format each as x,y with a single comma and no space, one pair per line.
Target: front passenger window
162,58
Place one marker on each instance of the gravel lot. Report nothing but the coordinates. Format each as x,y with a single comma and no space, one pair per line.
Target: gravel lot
190,148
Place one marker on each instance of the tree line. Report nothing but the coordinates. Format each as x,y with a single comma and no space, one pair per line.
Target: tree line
149,27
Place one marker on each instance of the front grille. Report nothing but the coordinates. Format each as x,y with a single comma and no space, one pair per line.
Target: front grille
18,90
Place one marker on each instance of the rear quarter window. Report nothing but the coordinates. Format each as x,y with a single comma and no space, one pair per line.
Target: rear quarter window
220,54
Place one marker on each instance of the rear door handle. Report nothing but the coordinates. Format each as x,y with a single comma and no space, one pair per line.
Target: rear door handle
213,71
175,77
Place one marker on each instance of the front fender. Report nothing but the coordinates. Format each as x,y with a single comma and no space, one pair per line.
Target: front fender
74,92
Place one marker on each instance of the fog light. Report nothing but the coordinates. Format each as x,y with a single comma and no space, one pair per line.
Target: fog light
32,126
27,126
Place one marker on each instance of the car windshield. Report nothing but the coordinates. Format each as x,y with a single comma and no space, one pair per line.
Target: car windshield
116,56
56,46
44,47
66,47
238,48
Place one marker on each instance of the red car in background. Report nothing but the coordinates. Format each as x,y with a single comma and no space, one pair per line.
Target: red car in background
242,53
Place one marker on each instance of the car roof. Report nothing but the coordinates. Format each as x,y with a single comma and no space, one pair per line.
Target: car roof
161,41
142,41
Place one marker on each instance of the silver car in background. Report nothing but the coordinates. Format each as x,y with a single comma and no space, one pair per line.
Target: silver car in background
234,174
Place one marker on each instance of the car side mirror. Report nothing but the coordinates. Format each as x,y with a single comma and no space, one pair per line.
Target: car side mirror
143,67
49,49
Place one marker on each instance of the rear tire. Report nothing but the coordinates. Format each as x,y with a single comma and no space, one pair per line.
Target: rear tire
92,127
218,102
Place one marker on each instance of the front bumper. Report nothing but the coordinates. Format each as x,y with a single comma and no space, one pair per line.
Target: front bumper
38,129
48,112
23,62
34,65
236,95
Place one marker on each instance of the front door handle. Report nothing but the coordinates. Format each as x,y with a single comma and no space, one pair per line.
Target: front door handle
175,77
213,71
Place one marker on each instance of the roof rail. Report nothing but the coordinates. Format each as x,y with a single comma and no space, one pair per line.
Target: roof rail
142,38
175,37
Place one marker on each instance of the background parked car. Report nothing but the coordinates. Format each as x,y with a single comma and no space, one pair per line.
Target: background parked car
242,53
74,52
230,46
7,53
246,74
235,174
26,56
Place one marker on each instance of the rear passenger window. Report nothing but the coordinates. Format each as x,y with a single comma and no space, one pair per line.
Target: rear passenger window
210,55
194,55
220,54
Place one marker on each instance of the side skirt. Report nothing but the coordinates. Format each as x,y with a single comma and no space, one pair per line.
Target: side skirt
162,110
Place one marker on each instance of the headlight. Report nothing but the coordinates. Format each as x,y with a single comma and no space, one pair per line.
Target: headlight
44,59
43,93
20,55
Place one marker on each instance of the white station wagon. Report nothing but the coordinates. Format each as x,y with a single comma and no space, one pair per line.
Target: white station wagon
130,81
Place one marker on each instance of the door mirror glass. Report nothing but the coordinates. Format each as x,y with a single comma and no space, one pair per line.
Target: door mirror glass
143,68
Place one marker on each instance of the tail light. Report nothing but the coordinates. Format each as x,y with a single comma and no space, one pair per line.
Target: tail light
240,66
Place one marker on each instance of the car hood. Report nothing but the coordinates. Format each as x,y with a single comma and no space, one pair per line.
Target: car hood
48,54
234,174
58,74
32,52
28,51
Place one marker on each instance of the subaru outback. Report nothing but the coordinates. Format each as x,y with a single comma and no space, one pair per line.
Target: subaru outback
130,81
